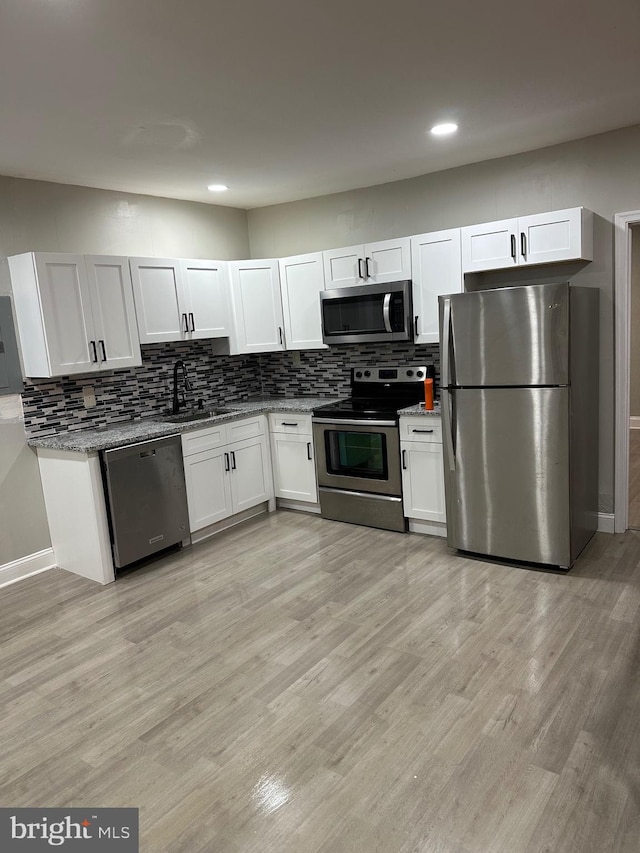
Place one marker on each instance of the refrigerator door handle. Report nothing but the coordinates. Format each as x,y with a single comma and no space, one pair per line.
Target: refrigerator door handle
447,423
446,342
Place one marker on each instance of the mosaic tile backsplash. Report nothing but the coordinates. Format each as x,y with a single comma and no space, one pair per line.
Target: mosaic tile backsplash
326,372
52,405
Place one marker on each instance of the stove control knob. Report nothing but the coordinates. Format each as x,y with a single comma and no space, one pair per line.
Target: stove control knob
358,374
409,372
420,374
367,373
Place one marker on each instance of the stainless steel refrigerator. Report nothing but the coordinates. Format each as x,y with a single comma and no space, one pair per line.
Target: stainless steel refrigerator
519,394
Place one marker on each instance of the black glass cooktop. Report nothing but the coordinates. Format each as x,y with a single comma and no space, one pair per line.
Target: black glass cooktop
365,409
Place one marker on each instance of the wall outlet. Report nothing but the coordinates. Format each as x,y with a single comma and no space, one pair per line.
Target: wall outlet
296,358
89,396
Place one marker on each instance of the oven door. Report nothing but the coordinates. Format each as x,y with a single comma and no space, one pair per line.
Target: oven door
362,456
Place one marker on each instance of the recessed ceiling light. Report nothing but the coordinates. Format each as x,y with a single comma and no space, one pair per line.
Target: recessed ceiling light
217,188
444,129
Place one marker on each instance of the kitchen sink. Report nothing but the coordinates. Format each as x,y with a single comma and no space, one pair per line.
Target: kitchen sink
199,415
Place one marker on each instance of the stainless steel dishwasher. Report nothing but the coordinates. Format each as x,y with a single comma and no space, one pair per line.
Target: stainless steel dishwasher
147,498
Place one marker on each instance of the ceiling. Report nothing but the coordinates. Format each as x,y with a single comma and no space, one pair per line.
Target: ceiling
289,99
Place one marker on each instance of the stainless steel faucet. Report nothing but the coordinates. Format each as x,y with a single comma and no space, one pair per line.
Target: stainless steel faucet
179,400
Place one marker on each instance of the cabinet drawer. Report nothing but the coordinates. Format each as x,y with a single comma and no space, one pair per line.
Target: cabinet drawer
200,440
246,428
290,423
423,428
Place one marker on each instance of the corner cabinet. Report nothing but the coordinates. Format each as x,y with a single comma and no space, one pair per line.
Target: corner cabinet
74,313
258,323
423,474
436,262
543,238
371,263
227,470
301,283
292,453
180,300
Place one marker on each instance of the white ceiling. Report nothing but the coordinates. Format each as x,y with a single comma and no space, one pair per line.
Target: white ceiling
288,99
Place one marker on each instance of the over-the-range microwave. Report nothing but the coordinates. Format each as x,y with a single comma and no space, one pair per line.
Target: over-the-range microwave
367,313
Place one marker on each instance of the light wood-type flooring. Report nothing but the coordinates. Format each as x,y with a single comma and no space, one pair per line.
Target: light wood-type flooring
298,685
634,478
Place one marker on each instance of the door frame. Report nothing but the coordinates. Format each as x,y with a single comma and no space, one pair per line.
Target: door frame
622,308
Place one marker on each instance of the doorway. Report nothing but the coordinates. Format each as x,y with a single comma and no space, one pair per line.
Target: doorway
627,440
634,381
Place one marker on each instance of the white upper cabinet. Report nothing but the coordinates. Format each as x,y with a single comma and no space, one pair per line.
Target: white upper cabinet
436,263
157,289
74,314
258,324
371,263
205,290
543,238
114,312
180,300
301,282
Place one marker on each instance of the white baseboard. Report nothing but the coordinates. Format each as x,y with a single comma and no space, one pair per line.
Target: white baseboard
606,522
226,523
634,422
32,564
430,528
302,506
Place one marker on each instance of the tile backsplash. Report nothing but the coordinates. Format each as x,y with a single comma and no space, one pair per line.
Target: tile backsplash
326,372
52,405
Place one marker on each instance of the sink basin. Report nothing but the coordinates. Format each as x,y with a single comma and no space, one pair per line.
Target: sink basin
199,415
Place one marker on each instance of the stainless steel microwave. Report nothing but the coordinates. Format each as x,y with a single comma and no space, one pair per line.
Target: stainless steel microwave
367,313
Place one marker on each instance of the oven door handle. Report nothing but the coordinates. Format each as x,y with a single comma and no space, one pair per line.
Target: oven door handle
345,422
386,312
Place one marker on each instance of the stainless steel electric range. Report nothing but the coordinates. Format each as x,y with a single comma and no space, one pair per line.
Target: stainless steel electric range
357,443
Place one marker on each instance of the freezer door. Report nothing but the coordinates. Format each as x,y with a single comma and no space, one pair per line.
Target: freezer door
507,472
510,336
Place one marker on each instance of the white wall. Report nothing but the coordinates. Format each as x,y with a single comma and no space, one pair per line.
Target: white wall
601,173
40,216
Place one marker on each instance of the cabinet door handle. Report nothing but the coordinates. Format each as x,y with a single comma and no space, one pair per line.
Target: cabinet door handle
285,423
280,334
360,268
92,344
366,268
415,325
186,324
523,244
421,430
193,325
226,462
308,450
104,352
404,460
513,246
233,461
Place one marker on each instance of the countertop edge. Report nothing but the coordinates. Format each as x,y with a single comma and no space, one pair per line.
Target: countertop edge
131,432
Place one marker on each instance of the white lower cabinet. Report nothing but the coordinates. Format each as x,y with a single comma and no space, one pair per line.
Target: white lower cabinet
294,467
208,488
423,473
223,476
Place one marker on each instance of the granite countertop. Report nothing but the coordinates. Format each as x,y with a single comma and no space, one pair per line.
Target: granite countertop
131,432
419,409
